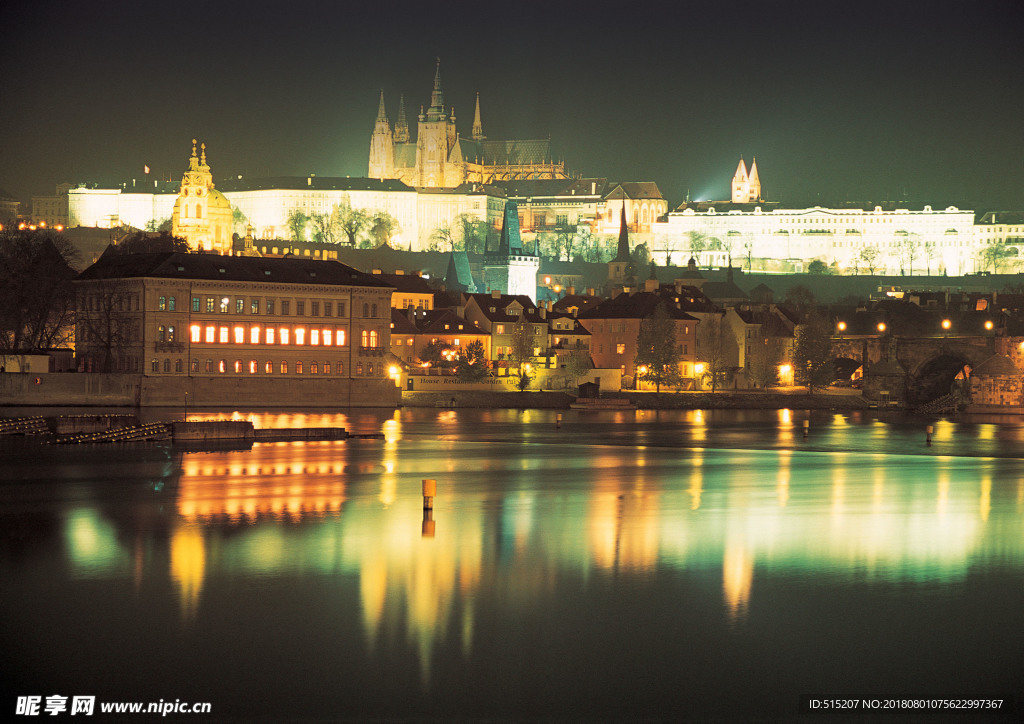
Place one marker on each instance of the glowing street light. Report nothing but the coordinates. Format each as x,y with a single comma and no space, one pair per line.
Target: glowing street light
841,326
988,325
698,368
946,324
881,327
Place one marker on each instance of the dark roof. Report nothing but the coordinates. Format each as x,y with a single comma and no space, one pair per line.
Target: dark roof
580,301
406,283
632,306
726,290
228,268
486,301
323,183
998,365
635,190
515,152
432,321
400,322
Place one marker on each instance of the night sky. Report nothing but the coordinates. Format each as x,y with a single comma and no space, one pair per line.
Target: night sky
838,101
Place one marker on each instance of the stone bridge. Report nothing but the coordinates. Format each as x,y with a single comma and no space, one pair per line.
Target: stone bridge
930,364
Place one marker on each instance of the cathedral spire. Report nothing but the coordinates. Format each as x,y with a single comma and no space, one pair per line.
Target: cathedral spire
623,252
382,126
478,126
437,97
401,125
755,182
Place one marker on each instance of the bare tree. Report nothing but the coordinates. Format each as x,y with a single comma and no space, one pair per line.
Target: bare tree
108,325
382,227
712,350
869,256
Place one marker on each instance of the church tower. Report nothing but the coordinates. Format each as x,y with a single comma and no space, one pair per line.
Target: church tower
202,215
755,183
382,150
401,125
619,266
478,126
434,138
741,184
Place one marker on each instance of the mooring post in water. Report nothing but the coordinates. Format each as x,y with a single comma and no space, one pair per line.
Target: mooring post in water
807,427
928,434
429,491
428,523
558,421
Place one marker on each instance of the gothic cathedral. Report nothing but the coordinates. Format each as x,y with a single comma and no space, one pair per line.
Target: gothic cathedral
439,157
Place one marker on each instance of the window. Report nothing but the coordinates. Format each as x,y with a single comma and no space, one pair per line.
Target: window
359,368
252,367
209,365
170,304
270,306
341,368
155,366
238,366
327,368
285,307
284,367
341,308
254,306
327,309
398,342
373,310
224,305
161,333
313,368
167,365
211,334
254,335
499,329
195,333
268,337
209,304
223,338
314,336
300,335
239,306
298,368
366,309
339,339
409,341
314,309
162,304
170,333
195,365
327,338
300,307
177,365
195,304
268,367
364,339
284,335
620,349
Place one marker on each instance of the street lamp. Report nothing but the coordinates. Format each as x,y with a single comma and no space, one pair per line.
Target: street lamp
988,325
881,327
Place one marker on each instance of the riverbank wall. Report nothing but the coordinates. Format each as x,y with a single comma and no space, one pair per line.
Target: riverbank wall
641,400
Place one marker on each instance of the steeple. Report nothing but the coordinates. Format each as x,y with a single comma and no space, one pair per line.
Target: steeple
741,184
511,242
478,127
623,252
382,125
437,96
755,182
193,161
401,125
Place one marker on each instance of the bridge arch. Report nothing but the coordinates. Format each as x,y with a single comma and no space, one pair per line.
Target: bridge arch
939,375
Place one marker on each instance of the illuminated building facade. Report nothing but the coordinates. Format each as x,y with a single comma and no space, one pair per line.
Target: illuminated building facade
746,188
511,269
919,241
440,157
51,210
202,216
244,324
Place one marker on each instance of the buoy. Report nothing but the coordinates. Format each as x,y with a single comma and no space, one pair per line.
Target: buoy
429,491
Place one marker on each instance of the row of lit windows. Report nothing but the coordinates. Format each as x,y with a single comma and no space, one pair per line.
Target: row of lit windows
268,367
315,337
237,305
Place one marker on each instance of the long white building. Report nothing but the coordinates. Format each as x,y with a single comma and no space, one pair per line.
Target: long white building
910,240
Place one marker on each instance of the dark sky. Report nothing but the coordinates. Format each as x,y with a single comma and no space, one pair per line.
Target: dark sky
837,100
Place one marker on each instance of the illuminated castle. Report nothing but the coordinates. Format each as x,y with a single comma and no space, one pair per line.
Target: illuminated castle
746,189
440,157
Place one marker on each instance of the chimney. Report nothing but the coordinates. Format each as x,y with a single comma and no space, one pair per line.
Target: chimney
377,271
543,313
399,272
571,291
549,305
591,292
651,285
593,187
495,294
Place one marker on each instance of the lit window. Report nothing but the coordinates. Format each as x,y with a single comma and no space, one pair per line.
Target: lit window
620,349
195,365
170,333
300,335
284,335
211,334
327,338
327,368
399,342
313,368
223,338
254,307
209,365
254,335
239,306
224,305
252,367
284,367
162,304
195,304
456,342
298,368
161,333
314,337
222,366
364,339
373,338
209,304
341,368
239,335
170,304
409,341
238,366
339,340
195,332
269,336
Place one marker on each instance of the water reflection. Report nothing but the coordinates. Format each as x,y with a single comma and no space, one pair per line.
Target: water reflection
523,525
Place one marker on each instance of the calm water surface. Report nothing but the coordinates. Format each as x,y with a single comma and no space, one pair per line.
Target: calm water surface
625,565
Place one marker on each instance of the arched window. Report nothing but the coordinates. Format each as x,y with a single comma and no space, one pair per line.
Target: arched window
170,304
313,368
195,365
373,312
366,310
199,211
167,365
155,367
161,333
177,365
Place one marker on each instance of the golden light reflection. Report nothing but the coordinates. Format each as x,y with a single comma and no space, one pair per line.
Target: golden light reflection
782,480
696,487
188,567
985,499
737,580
